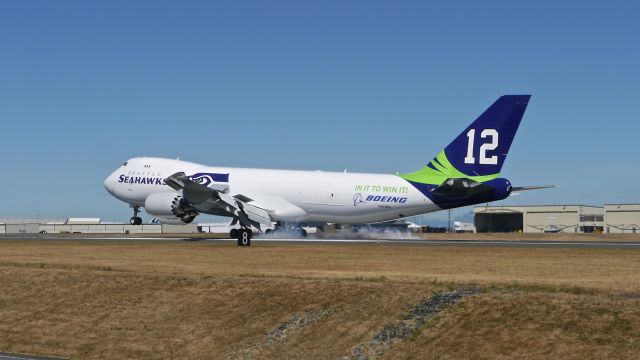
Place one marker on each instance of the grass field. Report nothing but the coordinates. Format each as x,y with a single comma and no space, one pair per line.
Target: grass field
121,299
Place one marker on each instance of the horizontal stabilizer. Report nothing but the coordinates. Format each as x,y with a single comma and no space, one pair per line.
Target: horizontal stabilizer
461,188
525,188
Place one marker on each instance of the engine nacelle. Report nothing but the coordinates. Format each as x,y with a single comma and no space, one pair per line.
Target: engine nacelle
169,208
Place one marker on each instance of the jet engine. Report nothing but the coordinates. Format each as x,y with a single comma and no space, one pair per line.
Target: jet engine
170,208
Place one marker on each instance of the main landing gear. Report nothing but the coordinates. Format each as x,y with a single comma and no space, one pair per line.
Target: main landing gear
136,220
242,235
287,229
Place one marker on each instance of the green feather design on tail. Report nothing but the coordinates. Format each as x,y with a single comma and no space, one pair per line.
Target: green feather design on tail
445,170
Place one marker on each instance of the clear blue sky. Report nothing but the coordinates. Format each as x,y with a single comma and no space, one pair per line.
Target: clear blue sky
371,86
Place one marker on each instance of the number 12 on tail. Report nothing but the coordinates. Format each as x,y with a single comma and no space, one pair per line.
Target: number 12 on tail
492,144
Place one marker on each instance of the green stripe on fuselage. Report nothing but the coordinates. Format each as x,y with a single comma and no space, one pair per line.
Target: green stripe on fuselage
445,171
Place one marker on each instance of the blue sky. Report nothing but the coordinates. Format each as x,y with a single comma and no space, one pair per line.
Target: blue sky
371,86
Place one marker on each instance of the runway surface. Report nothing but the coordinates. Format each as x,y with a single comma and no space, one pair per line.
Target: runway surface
382,241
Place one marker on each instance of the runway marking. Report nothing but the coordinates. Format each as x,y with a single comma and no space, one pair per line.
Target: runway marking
503,243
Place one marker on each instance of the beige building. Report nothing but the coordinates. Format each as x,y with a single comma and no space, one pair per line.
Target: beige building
86,226
622,218
539,218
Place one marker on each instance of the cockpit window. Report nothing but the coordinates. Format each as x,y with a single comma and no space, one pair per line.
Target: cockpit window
125,163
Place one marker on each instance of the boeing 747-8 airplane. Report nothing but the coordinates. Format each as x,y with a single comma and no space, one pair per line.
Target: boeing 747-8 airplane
466,172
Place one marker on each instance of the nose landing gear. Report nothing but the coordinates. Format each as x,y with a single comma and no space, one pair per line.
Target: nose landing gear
136,220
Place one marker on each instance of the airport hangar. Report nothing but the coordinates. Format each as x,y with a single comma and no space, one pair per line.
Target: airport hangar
610,218
86,226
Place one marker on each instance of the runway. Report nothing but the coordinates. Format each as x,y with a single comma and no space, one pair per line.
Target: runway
10,356
408,241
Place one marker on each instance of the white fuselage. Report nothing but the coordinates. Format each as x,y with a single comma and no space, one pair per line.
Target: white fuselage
297,196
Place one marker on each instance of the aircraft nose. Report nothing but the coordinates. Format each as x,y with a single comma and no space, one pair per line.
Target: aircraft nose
110,183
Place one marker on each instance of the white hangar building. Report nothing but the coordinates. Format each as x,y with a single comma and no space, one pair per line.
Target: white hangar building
622,218
610,219
539,219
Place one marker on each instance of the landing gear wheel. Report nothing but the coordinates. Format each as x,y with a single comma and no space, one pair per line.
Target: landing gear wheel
135,219
244,237
303,232
268,231
233,233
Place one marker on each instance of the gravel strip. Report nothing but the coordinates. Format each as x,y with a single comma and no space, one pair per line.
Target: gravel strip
410,324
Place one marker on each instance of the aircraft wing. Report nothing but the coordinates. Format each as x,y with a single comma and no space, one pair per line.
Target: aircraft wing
214,198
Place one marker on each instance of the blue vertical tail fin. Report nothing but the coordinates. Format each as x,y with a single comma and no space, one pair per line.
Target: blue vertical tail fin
479,152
